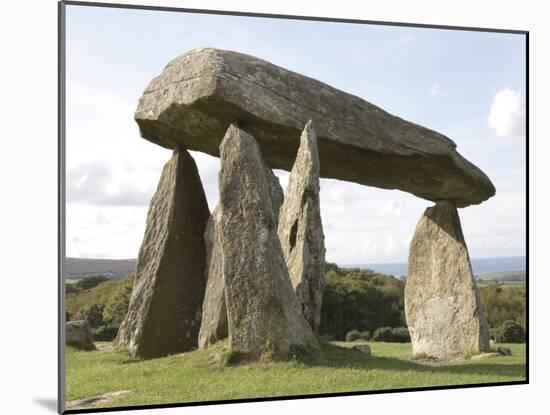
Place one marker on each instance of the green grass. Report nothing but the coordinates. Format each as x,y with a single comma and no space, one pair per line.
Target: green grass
199,376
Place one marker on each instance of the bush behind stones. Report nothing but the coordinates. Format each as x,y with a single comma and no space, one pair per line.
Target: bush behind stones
509,332
354,335
391,335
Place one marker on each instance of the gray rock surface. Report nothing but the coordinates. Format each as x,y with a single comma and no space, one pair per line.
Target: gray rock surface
264,314
505,351
198,94
214,311
164,313
363,348
301,230
442,304
79,334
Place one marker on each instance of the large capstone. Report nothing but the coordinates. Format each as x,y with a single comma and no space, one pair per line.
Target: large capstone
264,314
214,311
199,94
442,304
301,230
164,313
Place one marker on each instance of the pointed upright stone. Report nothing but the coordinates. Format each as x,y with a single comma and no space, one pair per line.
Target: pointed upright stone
164,313
301,230
263,311
214,311
442,303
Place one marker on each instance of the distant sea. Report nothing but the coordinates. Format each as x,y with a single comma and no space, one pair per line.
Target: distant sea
479,265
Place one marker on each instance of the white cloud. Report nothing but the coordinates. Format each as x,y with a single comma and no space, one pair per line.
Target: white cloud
208,167
107,208
104,232
283,176
507,113
107,184
434,90
391,207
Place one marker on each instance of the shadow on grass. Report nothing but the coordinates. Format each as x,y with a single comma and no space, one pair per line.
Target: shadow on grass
333,356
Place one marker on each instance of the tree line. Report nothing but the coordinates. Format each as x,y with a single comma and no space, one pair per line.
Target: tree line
357,304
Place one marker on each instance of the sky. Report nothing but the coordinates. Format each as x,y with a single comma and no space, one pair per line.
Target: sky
467,85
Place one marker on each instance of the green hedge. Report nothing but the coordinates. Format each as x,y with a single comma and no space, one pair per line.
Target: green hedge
391,335
354,335
509,332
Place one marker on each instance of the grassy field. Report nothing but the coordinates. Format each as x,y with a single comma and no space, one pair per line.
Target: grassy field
505,279
504,276
501,284
198,375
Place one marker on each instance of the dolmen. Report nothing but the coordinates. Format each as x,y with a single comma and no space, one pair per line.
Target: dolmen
252,271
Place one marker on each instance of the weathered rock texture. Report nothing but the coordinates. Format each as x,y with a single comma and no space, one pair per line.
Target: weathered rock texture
196,97
79,334
263,311
442,303
164,314
214,311
301,230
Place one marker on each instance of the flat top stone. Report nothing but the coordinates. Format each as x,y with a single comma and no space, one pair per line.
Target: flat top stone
200,93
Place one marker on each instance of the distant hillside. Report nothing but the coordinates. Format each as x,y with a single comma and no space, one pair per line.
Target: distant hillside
504,276
114,269
480,266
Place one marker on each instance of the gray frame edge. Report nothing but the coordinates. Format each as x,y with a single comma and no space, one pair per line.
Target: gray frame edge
61,379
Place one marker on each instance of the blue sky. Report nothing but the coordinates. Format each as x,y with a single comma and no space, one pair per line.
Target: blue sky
466,85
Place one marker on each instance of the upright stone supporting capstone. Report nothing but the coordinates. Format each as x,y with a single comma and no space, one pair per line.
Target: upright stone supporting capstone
214,311
263,312
442,303
164,313
301,230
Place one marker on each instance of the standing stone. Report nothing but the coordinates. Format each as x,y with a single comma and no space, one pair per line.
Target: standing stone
214,311
442,303
263,311
301,230
165,307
